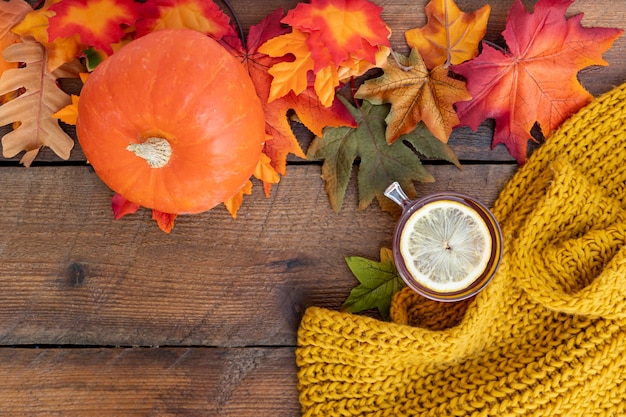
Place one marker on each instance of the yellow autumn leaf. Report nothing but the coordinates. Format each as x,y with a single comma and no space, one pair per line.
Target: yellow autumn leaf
265,172
326,80
234,203
450,36
288,75
69,113
35,107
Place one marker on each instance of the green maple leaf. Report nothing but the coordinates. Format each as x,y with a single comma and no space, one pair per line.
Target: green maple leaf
379,281
380,163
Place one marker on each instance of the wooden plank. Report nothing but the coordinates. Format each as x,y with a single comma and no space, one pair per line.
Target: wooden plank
402,15
148,382
70,274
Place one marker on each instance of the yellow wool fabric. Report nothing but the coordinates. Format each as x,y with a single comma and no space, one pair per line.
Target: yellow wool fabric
547,337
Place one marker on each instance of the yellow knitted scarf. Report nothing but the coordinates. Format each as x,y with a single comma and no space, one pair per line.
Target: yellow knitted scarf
547,337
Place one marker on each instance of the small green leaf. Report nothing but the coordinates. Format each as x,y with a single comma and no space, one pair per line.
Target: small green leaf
93,57
379,281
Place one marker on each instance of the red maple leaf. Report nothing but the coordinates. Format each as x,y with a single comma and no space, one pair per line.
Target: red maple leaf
121,207
202,15
97,22
306,105
535,80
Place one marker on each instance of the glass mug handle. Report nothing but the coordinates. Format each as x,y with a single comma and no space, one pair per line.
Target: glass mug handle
396,194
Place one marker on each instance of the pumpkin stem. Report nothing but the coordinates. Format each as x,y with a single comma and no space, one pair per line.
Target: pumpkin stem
156,151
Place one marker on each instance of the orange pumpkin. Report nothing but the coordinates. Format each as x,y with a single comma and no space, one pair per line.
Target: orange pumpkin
172,122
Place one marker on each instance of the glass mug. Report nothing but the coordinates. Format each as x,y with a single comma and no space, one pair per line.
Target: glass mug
491,249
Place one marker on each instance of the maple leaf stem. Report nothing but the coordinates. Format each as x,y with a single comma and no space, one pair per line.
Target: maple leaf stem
237,22
399,64
496,46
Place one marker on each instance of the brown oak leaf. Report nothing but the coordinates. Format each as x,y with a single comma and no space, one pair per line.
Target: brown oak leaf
34,108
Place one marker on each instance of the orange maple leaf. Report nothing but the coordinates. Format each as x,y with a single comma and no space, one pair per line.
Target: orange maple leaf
122,207
416,95
339,29
69,113
318,59
59,51
98,23
306,105
288,75
450,36
165,221
234,203
535,81
202,15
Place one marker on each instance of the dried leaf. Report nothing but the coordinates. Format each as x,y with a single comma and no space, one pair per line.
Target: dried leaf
535,81
450,36
11,13
381,163
202,15
416,94
379,281
34,108
35,25
98,23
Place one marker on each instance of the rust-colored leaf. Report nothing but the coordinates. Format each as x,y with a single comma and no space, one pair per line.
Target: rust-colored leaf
416,94
34,108
165,221
535,80
450,36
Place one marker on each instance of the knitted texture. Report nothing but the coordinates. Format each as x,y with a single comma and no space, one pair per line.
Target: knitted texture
547,337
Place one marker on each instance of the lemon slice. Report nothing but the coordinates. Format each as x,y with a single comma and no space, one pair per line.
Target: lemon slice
445,245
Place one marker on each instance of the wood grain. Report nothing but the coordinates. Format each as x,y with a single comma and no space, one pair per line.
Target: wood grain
70,274
85,300
148,382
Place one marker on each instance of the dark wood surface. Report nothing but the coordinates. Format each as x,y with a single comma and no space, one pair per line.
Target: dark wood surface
116,318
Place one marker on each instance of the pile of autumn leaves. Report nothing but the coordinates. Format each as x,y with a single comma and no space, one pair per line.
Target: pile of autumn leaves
299,62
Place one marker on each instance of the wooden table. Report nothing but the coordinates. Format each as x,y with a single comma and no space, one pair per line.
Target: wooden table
116,318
